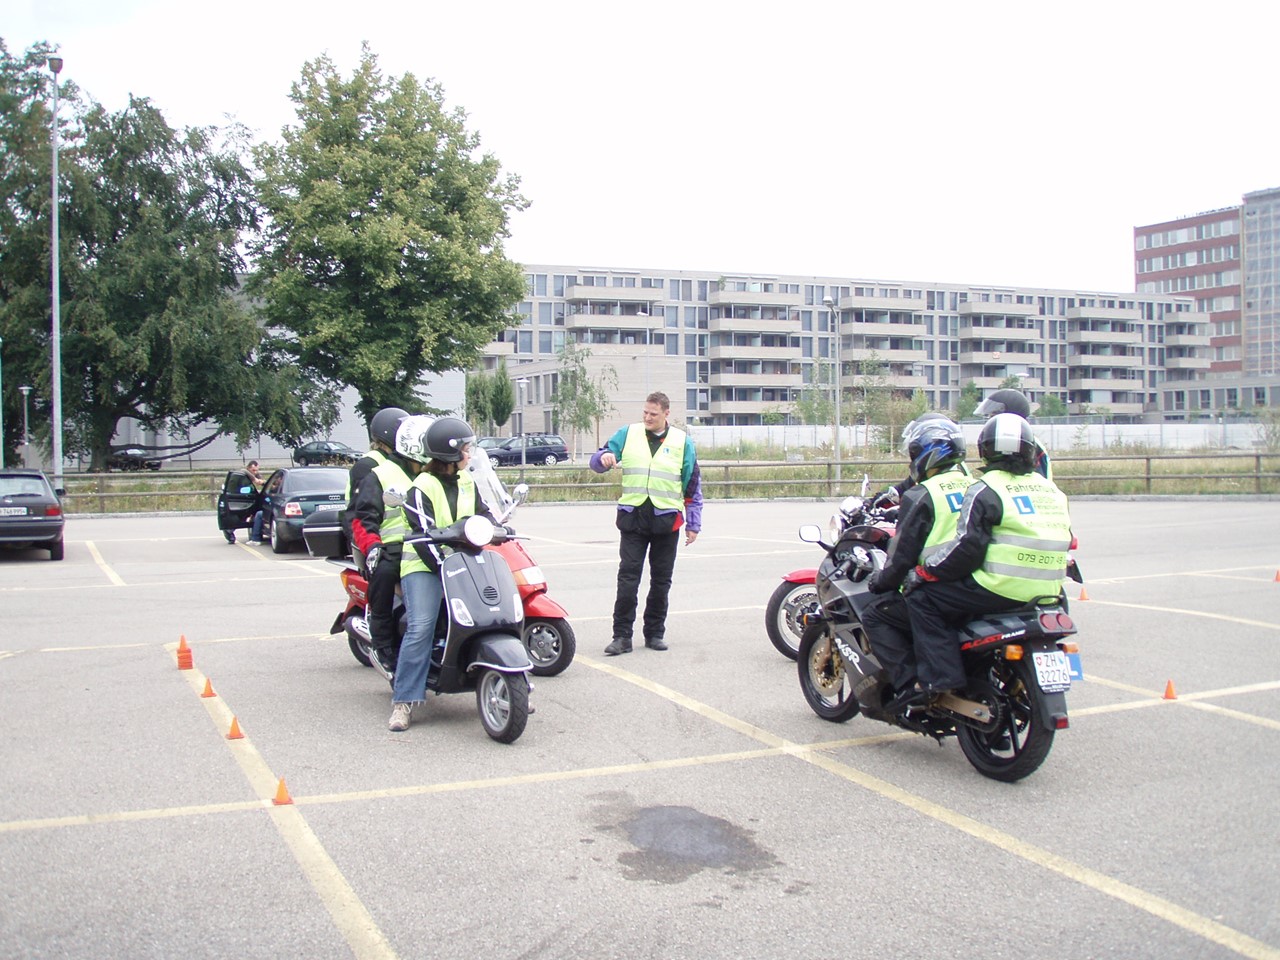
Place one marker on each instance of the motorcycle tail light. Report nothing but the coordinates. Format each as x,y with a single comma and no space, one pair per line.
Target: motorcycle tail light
1060,722
1075,542
1013,651
529,576
293,509
1057,623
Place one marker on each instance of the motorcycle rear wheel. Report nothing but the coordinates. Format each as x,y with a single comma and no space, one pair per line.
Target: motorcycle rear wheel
502,700
1020,741
551,645
782,617
824,679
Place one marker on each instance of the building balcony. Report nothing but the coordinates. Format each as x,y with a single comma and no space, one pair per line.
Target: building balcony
996,334
495,348
790,354
1105,361
1103,313
1117,408
857,354
755,298
1007,357
613,321
1186,340
783,325
881,304
1077,335
746,406
1186,363
1110,384
972,309
776,380
858,329
579,293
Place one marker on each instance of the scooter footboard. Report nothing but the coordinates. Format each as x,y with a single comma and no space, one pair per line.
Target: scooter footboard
501,652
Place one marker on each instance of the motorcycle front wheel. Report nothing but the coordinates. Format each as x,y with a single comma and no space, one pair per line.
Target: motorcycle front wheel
551,645
824,679
503,702
1018,740
784,616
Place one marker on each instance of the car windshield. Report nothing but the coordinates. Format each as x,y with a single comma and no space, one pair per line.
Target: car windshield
316,480
11,486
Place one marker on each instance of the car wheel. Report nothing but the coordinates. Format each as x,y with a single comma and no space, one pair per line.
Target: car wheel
550,460
303,462
278,544
55,551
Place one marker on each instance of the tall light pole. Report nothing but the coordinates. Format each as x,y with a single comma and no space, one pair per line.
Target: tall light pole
830,304
26,432
1,403
55,65
524,439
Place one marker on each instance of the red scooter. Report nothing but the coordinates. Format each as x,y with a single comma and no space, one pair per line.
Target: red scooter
547,633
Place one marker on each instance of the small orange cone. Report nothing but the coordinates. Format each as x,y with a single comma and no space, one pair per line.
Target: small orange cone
282,797
1277,580
184,653
1169,693
1084,594
208,689
234,733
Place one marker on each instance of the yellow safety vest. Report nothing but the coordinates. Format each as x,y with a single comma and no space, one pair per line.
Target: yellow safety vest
394,525
429,484
378,459
1027,556
946,490
653,476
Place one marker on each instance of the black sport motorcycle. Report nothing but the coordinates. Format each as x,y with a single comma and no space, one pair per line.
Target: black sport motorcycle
1017,663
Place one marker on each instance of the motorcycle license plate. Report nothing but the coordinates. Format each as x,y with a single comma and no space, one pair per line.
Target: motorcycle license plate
1053,672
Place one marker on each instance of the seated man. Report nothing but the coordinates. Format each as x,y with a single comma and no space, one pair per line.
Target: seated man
926,522
1010,549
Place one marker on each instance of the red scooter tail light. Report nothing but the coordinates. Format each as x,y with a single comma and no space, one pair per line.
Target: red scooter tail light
1057,623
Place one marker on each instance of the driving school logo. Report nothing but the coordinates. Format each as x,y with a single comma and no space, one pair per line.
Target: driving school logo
1024,505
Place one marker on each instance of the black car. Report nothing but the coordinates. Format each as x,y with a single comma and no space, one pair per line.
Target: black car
541,448
325,451
132,459
289,496
30,512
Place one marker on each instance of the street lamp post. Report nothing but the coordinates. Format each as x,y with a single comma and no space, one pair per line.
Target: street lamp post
830,304
55,65
26,432
524,439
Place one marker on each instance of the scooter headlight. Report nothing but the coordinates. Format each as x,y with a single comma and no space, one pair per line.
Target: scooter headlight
461,615
835,527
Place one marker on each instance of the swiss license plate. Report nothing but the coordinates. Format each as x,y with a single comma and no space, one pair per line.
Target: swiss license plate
13,511
1053,672
329,506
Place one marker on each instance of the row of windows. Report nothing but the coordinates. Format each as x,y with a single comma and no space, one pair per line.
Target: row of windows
1201,231
1200,281
1189,258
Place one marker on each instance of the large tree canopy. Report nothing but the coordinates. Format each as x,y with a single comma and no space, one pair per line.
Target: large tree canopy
381,259
149,223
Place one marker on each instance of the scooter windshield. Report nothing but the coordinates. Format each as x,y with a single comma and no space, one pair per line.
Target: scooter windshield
489,486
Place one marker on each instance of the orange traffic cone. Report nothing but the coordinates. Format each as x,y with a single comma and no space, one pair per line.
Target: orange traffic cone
1084,594
282,795
208,689
234,733
1169,693
1277,580
184,653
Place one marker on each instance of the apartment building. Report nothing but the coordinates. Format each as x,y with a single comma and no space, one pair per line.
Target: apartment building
741,348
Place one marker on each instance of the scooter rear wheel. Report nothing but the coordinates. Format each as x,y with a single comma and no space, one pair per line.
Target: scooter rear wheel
551,645
502,700
783,616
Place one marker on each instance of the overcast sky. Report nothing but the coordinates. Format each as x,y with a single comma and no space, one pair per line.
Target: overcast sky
986,143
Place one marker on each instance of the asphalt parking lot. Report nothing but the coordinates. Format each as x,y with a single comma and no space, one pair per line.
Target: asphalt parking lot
677,804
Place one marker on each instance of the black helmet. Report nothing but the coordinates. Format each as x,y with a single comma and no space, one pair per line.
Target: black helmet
933,443
1005,401
384,423
448,438
1007,443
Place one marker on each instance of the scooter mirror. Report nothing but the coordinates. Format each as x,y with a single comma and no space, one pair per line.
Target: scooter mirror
811,533
521,492
393,498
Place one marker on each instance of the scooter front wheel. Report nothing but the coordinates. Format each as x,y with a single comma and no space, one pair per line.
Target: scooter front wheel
503,702
551,645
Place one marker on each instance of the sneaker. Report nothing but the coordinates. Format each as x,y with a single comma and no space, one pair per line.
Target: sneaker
255,542
619,645
400,717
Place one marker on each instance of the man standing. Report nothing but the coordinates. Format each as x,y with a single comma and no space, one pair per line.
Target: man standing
660,483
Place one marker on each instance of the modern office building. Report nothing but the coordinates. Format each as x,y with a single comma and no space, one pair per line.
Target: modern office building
735,348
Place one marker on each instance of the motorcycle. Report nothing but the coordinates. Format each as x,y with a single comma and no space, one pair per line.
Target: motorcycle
1019,664
796,598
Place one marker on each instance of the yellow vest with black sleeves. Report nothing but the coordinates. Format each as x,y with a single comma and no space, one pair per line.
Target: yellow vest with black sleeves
653,476
442,516
394,525
1027,556
378,459
946,491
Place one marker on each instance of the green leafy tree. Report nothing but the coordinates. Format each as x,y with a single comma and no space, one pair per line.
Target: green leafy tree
970,397
1011,383
382,260
150,220
580,402
815,403
1051,405
873,403
502,396
479,400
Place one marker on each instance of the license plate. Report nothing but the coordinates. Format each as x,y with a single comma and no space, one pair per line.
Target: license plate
329,506
13,511
1053,672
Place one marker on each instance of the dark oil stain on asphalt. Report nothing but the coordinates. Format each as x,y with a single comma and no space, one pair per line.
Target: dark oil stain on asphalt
674,843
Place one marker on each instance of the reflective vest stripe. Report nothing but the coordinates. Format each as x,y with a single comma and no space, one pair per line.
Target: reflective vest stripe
653,476
1031,542
430,485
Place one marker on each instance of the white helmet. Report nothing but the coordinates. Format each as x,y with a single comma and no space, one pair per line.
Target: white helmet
411,437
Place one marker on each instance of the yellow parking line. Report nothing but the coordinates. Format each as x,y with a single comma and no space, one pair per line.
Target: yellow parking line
102,564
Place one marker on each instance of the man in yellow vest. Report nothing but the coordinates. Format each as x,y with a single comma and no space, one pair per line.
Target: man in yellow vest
1010,549
926,523
661,493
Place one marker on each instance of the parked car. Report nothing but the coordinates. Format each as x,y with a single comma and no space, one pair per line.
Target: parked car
488,443
543,448
325,451
132,459
290,495
30,512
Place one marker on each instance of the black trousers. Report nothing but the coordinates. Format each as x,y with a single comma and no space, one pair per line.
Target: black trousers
935,610
888,628
661,548
382,599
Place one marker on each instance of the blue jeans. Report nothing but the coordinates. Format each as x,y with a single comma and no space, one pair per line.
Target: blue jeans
255,533
423,593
